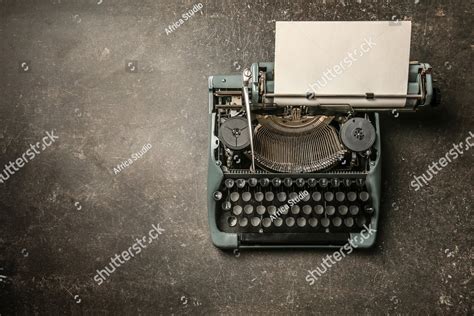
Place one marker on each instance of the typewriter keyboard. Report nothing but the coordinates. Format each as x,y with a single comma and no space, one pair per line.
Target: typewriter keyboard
293,205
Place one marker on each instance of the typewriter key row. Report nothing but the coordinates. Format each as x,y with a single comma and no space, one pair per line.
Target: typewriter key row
288,182
314,222
282,196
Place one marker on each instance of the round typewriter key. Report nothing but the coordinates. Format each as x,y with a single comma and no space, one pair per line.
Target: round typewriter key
248,209
217,195
243,222
246,196
272,210
337,221
316,196
260,210
253,182
349,222
307,209
292,195
255,221
266,222
364,196
330,210
361,221
313,222
342,209
319,209
258,196
295,209
229,183
340,196
312,182
276,182
240,183
300,182
354,209
290,221
335,182
325,222
306,197
232,221
234,196
226,206
329,196
281,196
351,196
301,222
264,182
323,182
237,210
283,210
278,222
269,196
287,182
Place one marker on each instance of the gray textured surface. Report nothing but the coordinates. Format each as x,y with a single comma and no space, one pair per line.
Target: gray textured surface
78,86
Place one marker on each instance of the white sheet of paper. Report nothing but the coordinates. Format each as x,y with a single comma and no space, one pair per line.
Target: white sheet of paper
342,58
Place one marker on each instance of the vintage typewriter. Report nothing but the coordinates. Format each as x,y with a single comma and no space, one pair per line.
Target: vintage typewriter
299,169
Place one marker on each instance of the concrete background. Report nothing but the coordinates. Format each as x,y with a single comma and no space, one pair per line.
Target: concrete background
64,214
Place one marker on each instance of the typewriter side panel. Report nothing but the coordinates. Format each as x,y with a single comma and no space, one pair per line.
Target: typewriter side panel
214,179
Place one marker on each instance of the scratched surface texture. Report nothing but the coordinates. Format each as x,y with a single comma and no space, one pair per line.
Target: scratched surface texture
66,212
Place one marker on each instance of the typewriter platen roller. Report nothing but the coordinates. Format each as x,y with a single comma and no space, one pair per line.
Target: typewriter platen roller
299,173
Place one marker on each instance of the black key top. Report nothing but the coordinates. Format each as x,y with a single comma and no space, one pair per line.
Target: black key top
246,196
342,209
312,182
226,206
360,182
351,196
335,182
313,222
217,195
281,196
229,183
307,209
319,209
234,196
354,209
264,182
248,209
237,210
301,222
240,183
316,196
364,196
323,182
253,182
325,222
276,182
361,221
329,196
300,182
340,196
269,196
287,182
232,221
347,182
330,210
258,196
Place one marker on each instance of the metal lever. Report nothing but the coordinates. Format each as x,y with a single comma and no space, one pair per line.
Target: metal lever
246,76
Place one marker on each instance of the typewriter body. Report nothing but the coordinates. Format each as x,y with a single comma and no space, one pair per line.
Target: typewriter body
302,173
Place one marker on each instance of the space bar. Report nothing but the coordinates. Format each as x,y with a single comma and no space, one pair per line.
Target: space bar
294,238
